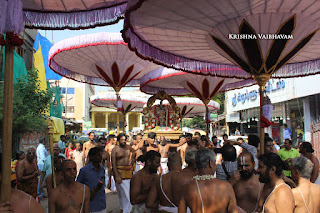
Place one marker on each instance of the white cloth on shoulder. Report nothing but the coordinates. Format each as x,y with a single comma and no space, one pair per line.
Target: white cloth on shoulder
164,166
123,190
141,208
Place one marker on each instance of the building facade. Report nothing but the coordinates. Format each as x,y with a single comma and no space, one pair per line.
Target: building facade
102,117
76,99
295,102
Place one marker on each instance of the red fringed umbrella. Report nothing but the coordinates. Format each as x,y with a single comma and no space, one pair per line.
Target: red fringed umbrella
130,103
100,59
265,38
44,14
175,82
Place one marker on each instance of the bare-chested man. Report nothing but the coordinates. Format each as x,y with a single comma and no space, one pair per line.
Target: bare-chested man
76,196
111,144
276,195
164,149
58,173
246,184
122,159
143,180
20,201
27,174
87,146
204,192
150,143
161,195
307,194
139,165
307,151
182,149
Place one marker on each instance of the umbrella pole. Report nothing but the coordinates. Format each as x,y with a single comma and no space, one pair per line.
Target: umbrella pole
50,127
261,91
118,122
207,120
124,121
7,124
262,80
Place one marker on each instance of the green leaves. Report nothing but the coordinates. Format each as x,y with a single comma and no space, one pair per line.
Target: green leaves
29,104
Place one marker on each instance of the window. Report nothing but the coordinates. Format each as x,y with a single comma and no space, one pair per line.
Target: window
70,109
70,90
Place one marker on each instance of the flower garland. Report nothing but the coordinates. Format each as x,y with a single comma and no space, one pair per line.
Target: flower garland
203,177
153,120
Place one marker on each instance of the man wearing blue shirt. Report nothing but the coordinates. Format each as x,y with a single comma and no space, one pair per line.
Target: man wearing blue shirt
62,142
286,132
93,175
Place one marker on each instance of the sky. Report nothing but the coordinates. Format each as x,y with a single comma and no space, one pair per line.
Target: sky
57,35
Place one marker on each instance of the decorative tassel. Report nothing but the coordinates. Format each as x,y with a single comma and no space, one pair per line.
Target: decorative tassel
14,39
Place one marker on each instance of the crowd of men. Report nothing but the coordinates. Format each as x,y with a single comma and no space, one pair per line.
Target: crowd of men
194,174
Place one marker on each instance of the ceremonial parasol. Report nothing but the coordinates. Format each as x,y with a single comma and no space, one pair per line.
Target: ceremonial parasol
44,14
175,82
266,38
101,59
190,106
129,103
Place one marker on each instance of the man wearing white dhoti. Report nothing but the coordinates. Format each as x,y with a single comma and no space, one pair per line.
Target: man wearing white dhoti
122,159
164,147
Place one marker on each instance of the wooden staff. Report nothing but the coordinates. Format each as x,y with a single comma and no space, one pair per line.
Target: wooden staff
50,128
262,80
7,124
118,122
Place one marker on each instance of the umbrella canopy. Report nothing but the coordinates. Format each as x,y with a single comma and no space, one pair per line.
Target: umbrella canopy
190,106
44,14
58,14
129,102
195,35
101,59
175,82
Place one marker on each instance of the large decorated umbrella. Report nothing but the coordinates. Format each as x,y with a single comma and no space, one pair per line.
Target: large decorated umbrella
100,59
190,106
266,38
175,82
129,103
44,14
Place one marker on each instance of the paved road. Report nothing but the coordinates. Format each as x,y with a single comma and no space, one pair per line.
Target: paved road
112,200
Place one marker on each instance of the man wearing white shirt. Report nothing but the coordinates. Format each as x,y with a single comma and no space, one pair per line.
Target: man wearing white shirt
42,154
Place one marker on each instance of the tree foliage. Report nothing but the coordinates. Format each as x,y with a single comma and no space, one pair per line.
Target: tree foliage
197,122
29,104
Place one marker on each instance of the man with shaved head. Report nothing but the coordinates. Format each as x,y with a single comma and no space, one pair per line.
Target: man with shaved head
306,195
205,193
69,196
246,184
162,192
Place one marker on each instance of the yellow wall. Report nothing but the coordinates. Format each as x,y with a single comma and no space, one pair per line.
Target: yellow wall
133,120
100,120
78,103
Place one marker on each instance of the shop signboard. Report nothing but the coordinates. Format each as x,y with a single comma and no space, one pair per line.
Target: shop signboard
278,90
